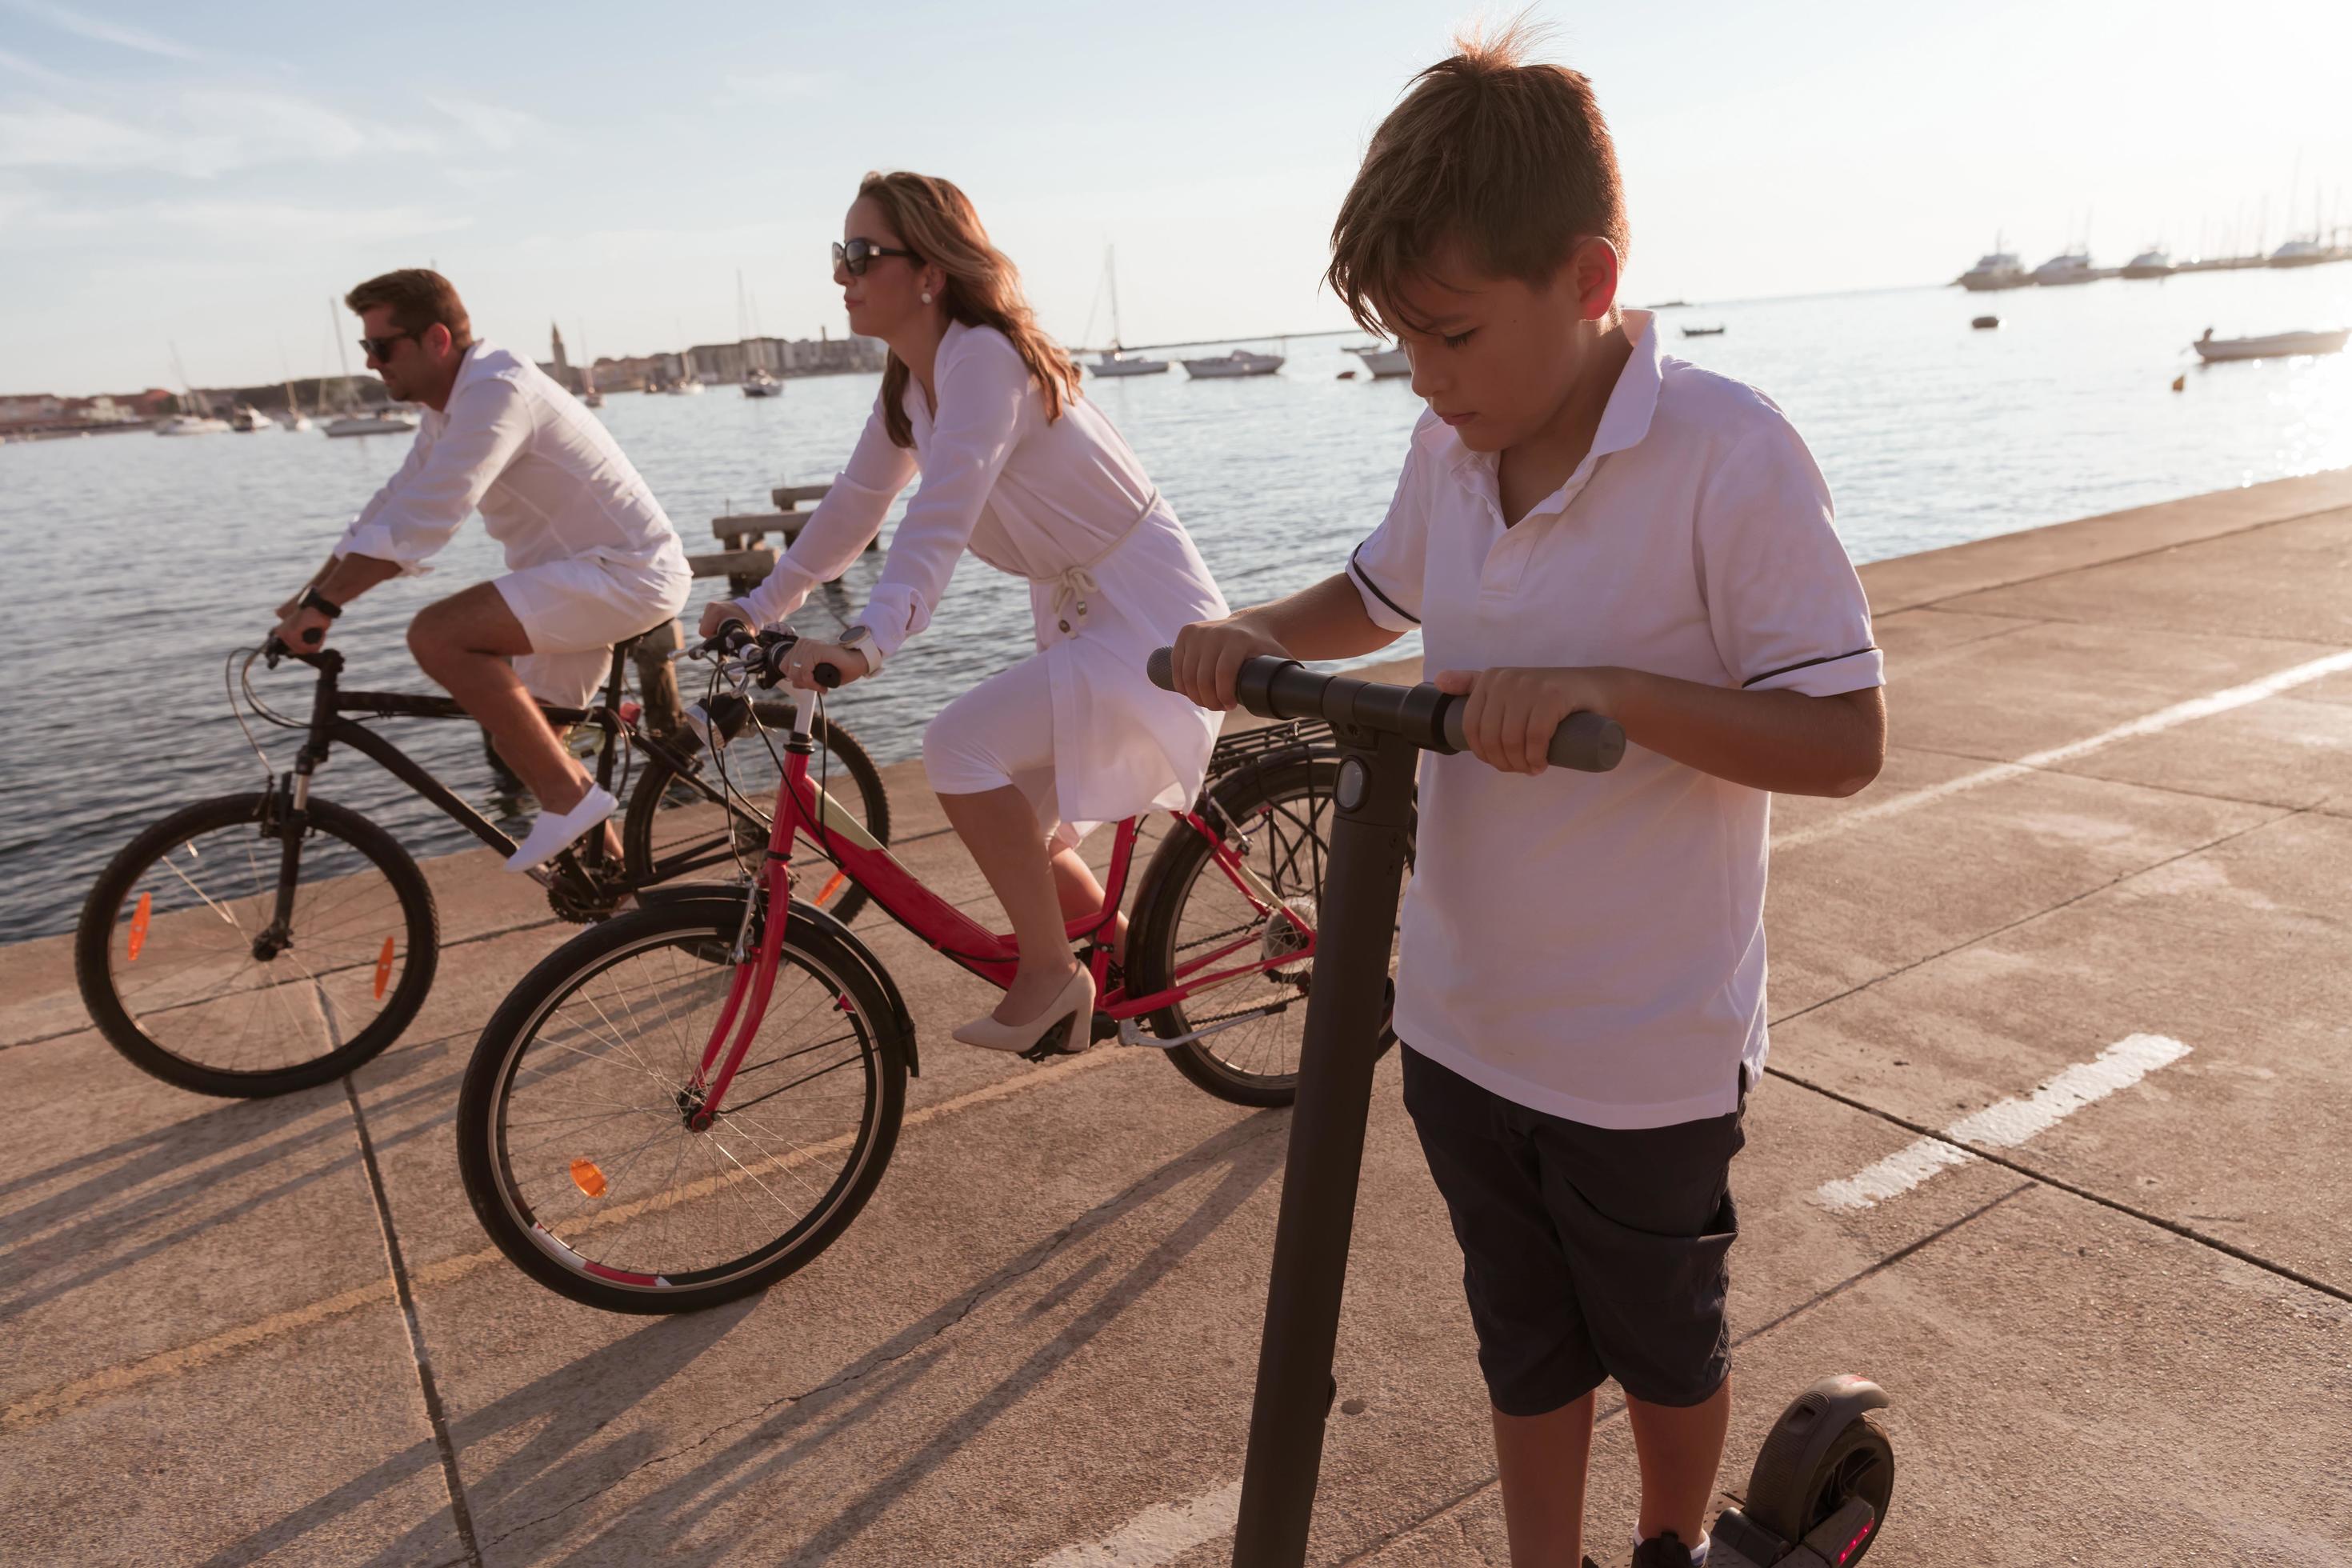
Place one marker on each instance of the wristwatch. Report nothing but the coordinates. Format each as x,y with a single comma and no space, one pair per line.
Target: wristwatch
860,639
312,599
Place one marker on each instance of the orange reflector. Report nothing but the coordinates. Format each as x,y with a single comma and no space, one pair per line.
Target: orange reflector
138,924
382,968
832,886
589,1177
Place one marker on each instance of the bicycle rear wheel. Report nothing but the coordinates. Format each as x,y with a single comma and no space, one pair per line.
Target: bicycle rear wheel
1191,917
575,1135
188,971
674,831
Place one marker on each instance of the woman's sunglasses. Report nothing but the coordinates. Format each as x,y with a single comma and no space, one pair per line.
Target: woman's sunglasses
858,255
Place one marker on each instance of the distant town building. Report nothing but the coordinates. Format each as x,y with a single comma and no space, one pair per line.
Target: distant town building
561,369
727,363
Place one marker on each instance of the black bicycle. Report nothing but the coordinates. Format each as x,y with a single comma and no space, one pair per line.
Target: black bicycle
260,943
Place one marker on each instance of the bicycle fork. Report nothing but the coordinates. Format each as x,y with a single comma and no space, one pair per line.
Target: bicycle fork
755,971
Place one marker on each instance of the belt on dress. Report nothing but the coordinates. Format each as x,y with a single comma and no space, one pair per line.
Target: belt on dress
1073,583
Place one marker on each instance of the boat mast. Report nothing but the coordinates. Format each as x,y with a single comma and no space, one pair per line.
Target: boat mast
1110,271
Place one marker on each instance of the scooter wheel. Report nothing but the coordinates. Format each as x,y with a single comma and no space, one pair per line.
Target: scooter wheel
1859,1462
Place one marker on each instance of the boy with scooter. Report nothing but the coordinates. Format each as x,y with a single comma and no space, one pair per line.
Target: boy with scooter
1583,524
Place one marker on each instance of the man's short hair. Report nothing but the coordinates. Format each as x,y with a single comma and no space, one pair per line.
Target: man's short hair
1511,162
419,297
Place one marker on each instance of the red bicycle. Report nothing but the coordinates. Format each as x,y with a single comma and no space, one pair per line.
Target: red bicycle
688,1102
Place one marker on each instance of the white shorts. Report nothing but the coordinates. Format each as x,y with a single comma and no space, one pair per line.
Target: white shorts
1002,732
573,611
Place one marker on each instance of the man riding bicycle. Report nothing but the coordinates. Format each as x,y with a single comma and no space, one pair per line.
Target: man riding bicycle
591,558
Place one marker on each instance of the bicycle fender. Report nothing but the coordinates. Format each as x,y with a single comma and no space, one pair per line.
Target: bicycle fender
875,970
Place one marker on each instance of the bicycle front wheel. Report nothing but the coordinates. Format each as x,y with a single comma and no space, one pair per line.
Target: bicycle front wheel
577,1135
673,830
224,952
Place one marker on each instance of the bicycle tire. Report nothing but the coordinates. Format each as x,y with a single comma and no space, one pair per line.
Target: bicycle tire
1247,796
872,805
118,1022
699,927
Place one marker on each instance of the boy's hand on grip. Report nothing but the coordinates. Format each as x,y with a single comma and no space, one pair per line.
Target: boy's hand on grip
1209,656
1511,713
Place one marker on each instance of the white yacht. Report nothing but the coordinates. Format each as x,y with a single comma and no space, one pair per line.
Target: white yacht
757,383
1383,360
2066,267
393,421
245,419
2150,263
687,386
1240,362
191,425
1995,270
2278,345
2300,253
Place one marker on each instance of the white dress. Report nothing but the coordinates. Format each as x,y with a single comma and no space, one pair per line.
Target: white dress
1062,503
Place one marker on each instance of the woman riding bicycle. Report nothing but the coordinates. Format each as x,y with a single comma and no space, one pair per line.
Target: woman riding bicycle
1020,469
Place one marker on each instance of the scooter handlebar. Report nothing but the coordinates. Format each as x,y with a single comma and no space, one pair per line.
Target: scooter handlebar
1284,688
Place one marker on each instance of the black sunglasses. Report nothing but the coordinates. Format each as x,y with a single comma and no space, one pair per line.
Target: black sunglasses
858,255
381,347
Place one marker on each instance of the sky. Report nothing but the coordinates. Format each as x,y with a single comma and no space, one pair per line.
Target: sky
205,180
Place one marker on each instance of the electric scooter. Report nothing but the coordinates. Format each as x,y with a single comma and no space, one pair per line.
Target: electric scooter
1824,1478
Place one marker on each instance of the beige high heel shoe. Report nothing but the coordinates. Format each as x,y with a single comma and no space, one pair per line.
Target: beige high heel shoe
1073,1004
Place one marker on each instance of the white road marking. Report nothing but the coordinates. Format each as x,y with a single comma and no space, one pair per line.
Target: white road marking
2005,1125
1160,1533
2163,718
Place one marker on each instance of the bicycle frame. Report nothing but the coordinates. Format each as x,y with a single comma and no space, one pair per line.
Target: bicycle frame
804,809
329,726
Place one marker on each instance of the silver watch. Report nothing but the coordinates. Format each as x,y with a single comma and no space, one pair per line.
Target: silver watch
860,639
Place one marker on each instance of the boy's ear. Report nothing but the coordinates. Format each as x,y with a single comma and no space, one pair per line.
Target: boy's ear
1591,271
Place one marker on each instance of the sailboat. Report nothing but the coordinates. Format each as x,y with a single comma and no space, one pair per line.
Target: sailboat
388,421
295,419
198,422
1114,360
757,380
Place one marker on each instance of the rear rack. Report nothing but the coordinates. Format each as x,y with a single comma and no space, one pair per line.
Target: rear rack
1238,751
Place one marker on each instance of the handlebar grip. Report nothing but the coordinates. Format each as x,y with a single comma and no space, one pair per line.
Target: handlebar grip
1161,668
1589,742
313,635
826,676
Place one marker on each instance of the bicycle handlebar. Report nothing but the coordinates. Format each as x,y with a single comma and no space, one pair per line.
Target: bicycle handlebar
1284,689
762,654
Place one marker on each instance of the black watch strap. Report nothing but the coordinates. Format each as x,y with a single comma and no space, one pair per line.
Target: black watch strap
314,600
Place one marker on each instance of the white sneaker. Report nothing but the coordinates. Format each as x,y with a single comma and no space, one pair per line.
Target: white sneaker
556,831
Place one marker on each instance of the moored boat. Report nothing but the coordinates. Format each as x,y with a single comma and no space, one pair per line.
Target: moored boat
1383,361
1997,268
2066,267
380,422
1239,363
2150,263
2277,345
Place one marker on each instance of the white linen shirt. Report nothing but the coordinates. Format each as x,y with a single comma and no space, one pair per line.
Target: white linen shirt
551,481
1591,945
1060,501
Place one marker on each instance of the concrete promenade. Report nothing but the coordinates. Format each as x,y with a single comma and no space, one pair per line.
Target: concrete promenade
2095,921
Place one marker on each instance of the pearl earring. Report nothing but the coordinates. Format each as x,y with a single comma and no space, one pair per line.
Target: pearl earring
927,296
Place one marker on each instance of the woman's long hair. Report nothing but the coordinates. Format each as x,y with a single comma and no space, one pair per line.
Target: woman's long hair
938,223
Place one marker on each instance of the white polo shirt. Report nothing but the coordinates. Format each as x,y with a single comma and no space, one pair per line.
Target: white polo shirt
1592,946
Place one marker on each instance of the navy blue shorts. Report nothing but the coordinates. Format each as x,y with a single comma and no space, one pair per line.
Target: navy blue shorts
1587,1252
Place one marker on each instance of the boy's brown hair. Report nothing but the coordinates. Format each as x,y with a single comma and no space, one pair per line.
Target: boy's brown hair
419,297
1512,161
